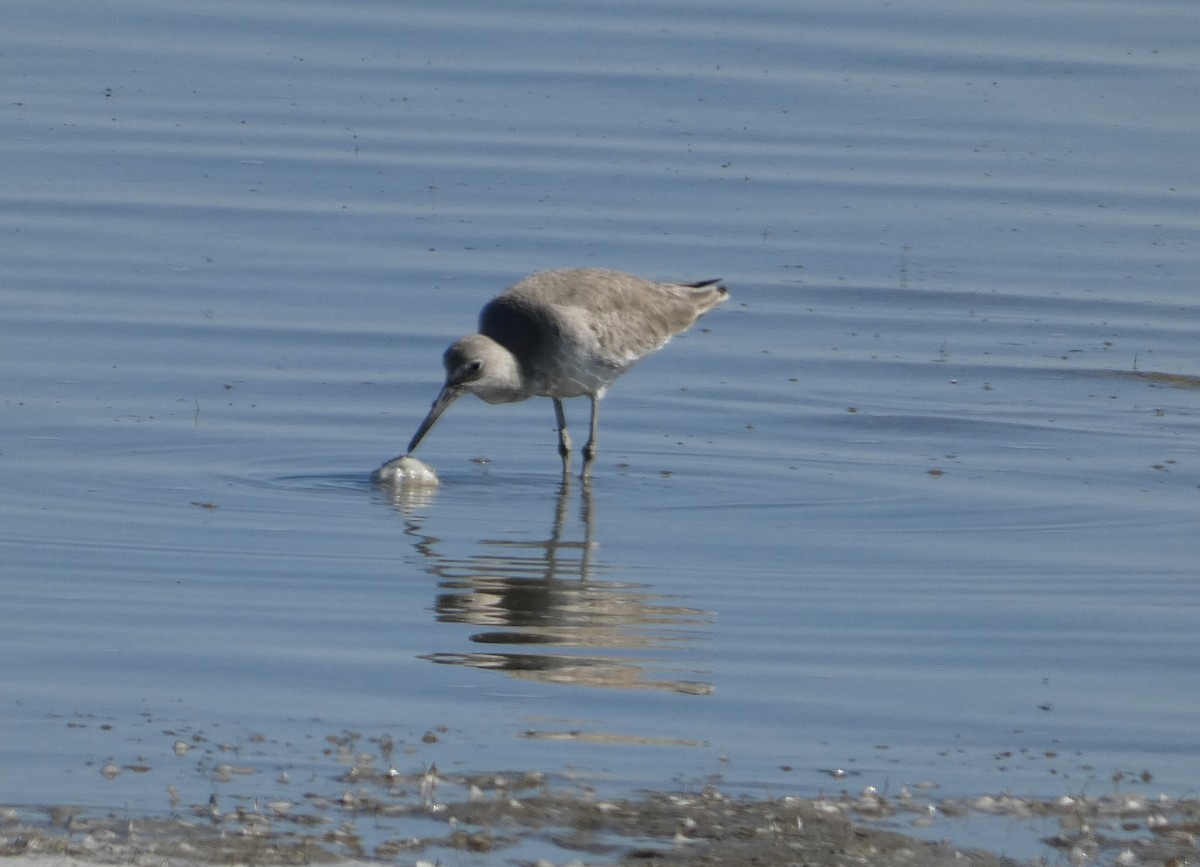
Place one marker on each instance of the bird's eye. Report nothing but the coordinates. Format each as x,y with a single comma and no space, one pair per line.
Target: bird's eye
474,366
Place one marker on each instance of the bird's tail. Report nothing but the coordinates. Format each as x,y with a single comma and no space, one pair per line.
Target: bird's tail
717,291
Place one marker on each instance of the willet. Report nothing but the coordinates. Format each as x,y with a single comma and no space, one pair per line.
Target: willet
567,333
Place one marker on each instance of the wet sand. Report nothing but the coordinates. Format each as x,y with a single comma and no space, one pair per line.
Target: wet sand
501,814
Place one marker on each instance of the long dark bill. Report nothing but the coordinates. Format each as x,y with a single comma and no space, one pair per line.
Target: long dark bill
445,397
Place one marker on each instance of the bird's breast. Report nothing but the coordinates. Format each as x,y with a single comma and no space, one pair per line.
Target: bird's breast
574,377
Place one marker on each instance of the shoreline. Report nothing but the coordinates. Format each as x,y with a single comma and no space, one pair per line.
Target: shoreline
504,817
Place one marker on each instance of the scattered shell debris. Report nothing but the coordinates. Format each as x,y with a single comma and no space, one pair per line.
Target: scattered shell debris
373,811
385,799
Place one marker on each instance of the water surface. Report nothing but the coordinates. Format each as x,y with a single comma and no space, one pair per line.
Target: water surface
917,505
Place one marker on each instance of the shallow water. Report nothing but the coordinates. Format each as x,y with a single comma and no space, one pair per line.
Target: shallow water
918,504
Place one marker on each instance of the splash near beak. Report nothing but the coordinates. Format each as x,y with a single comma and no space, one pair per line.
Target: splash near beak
445,397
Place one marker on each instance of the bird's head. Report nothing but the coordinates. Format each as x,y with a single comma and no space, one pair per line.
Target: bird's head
474,364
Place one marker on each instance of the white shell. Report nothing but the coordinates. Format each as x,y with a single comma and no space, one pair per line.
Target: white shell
407,471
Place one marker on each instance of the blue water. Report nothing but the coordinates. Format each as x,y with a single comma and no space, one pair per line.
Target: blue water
920,502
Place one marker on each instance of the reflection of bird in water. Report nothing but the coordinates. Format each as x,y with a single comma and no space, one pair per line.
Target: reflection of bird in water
567,333
541,595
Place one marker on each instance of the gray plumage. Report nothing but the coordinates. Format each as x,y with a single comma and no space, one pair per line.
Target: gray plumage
567,333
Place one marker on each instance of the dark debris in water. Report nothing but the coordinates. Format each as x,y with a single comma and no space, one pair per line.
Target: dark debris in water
494,813
1175,380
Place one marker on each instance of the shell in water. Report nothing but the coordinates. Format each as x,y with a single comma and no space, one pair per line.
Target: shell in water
407,471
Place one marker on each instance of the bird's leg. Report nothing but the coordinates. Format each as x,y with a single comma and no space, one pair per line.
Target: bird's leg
564,438
589,448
